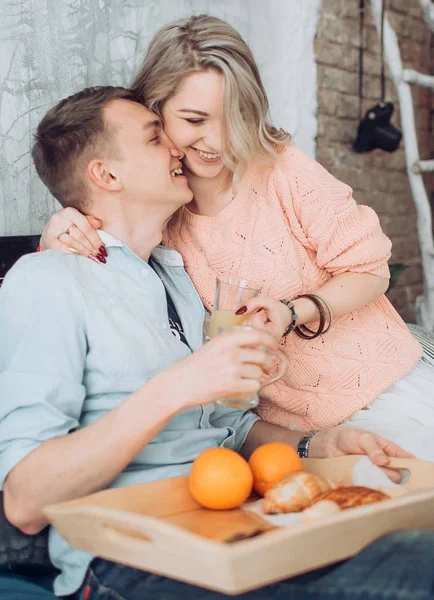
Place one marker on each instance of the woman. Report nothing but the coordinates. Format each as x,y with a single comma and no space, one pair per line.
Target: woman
265,212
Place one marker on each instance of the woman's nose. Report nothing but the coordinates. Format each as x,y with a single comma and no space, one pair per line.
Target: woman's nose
213,137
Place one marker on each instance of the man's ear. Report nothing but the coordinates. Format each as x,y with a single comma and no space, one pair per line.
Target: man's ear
103,174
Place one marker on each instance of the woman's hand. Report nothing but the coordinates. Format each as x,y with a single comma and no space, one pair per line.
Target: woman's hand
268,314
69,231
231,363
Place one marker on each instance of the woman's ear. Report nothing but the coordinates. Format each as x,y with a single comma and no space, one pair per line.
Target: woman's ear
102,174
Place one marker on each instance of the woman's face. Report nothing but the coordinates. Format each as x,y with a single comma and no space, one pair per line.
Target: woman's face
193,120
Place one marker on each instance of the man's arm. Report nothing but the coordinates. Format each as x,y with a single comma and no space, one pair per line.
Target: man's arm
88,460
337,441
44,456
263,433
42,359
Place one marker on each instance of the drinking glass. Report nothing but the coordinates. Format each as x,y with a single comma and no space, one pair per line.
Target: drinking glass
231,294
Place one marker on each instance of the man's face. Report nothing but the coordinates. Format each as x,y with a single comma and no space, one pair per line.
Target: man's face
146,160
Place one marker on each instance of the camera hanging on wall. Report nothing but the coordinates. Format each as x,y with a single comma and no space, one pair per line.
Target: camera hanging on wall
375,129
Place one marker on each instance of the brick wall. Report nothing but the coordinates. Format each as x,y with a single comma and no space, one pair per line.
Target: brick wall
378,178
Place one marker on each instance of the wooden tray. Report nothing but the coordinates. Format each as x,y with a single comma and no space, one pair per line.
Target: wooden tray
159,527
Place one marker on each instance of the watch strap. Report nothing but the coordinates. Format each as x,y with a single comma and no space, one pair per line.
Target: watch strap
304,443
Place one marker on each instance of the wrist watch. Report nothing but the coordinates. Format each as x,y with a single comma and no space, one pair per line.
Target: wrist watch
293,323
304,443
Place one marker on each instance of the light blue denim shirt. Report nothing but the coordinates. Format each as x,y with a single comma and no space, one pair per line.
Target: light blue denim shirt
76,339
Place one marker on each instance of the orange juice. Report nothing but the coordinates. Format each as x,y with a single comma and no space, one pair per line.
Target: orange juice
224,320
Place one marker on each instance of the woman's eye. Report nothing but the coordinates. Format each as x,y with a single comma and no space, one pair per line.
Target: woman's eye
195,121
156,139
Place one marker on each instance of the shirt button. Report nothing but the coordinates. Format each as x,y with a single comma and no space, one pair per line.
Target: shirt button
164,326
144,272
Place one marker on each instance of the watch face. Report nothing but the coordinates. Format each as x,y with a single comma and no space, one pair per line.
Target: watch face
301,448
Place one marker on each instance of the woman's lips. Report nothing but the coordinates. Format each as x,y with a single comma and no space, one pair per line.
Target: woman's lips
206,159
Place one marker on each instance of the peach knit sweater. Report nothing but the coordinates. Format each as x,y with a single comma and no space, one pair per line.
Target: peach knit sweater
290,228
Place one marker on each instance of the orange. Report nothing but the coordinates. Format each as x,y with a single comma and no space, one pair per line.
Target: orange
272,462
220,479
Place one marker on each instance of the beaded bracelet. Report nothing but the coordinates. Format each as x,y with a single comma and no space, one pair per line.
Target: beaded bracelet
293,323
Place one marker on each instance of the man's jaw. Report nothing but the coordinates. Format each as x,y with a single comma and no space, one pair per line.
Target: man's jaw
177,174
176,170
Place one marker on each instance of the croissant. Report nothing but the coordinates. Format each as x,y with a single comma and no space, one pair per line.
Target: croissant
348,497
294,493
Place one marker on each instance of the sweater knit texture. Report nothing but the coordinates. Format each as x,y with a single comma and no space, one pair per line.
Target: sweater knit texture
290,228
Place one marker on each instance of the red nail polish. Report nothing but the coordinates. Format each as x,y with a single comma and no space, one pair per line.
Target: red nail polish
102,251
101,258
241,310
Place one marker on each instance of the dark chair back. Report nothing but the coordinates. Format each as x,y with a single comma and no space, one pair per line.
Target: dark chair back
12,248
20,553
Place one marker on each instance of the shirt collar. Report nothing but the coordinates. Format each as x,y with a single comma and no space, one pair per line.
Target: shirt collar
163,255
109,240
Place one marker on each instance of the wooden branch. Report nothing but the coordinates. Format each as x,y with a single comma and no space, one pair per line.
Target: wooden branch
423,166
425,303
420,79
428,12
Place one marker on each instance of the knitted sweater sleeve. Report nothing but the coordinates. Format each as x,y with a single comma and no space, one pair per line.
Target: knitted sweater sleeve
323,214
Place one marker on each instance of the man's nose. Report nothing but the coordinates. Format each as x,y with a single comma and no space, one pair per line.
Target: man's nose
176,152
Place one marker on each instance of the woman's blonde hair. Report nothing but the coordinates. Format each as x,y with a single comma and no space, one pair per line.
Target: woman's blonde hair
200,43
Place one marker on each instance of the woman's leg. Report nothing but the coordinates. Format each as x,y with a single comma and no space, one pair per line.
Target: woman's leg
404,413
396,566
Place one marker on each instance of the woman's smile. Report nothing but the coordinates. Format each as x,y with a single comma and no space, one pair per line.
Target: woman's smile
207,157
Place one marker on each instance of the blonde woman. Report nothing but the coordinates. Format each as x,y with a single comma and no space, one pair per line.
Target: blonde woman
265,212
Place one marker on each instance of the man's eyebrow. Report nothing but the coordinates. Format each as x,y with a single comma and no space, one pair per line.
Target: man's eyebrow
151,124
193,110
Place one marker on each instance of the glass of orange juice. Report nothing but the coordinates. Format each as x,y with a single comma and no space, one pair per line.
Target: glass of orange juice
232,294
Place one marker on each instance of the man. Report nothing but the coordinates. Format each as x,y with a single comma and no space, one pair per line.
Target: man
96,391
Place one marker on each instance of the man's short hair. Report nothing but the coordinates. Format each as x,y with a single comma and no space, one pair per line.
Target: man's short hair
70,135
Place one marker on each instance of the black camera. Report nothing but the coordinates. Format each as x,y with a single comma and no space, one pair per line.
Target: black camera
376,131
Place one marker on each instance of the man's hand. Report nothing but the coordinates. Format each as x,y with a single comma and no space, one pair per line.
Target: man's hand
340,441
231,363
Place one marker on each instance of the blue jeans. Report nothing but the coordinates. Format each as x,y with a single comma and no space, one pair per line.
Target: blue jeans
396,567
21,587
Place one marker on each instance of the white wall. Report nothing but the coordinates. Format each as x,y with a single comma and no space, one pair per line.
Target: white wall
50,49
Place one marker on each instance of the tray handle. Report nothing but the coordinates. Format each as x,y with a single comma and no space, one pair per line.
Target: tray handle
127,538
83,524
339,469
421,472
